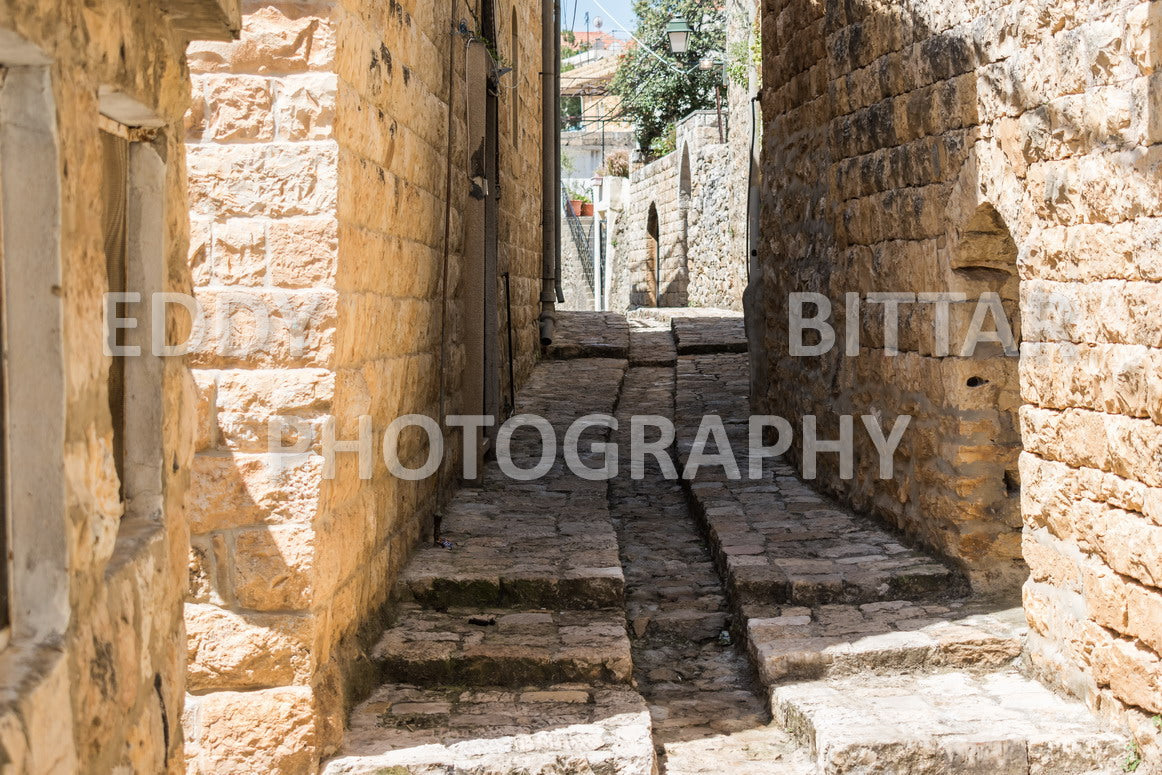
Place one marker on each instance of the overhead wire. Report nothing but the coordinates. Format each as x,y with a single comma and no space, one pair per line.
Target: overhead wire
640,42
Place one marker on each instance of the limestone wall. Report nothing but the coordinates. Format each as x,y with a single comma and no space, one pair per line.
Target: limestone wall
715,228
91,676
649,272
1005,147
576,281
701,225
318,152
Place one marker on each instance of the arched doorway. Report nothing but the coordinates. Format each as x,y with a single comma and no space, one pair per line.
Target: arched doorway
653,259
479,279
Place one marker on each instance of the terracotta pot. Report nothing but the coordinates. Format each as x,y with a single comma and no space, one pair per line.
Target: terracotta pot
587,210
575,206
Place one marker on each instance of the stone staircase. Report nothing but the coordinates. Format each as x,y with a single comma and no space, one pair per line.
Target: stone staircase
932,723
512,650
877,659
509,650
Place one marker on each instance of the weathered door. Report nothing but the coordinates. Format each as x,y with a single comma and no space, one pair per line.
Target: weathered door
478,288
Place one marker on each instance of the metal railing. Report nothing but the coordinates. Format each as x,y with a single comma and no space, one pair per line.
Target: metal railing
579,236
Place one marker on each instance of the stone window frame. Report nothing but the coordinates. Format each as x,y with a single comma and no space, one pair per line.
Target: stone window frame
35,401
146,244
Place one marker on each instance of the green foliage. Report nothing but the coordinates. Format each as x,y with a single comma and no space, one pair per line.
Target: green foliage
577,193
746,57
665,143
1133,758
654,95
571,111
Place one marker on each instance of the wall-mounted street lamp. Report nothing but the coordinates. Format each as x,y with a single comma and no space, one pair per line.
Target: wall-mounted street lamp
710,62
714,61
679,32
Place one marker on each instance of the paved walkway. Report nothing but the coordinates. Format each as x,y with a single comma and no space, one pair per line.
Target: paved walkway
706,626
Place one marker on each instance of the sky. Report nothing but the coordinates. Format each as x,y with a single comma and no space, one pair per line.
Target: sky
622,10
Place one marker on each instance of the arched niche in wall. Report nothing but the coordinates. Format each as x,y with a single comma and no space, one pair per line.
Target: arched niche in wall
653,257
685,184
985,386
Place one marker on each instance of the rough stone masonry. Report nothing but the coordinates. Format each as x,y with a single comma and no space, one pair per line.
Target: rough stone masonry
91,653
319,147
982,147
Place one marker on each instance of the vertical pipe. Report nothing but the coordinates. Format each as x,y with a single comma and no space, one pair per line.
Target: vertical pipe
511,355
559,292
451,92
550,184
596,251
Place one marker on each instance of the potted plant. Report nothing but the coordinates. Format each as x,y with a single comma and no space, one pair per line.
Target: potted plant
578,200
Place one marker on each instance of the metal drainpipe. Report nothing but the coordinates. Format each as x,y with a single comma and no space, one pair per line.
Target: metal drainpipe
453,38
557,151
550,180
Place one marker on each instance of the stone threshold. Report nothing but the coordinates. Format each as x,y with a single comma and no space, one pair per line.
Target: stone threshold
539,730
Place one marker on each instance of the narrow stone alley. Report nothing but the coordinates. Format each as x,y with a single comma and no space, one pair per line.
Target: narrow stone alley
562,625
707,711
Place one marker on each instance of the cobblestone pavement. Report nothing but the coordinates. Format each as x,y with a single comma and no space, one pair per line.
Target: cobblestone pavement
541,543
632,627
589,335
705,702
776,538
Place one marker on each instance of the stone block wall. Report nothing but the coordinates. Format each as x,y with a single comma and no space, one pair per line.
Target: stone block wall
521,165
715,228
318,151
576,282
642,275
91,670
985,147
701,218
264,179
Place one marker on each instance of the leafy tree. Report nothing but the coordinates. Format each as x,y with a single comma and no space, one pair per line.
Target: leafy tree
654,95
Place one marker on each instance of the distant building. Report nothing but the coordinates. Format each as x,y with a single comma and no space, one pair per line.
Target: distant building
596,41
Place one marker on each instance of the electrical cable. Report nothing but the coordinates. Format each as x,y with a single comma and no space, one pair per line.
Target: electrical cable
640,42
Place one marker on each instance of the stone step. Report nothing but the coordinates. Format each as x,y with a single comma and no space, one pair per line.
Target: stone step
795,643
773,549
775,539
589,335
475,574
652,347
497,731
998,723
703,335
499,647
538,544
763,749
